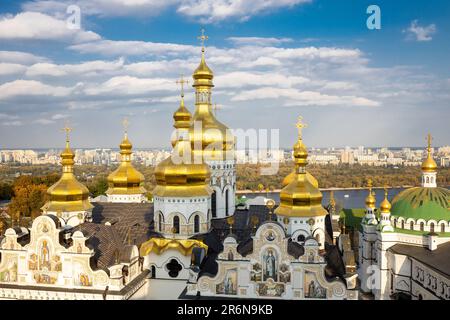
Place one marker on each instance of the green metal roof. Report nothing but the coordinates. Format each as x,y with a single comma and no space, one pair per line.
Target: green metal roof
422,203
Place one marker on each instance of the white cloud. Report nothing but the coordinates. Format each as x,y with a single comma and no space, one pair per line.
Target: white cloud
11,68
31,88
14,123
88,68
218,10
420,33
206,11
132,48
258,41
241,79
127,85
303,98
39,26
20,57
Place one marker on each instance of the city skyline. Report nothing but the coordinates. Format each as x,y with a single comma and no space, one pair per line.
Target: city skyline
321,62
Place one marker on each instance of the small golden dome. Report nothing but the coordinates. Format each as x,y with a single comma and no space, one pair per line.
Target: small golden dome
206,132
370,199
182,174
126,179
385,205
429,165
67,194
291,176
301,197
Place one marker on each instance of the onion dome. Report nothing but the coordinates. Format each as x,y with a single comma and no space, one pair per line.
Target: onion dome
67,194
126,179
301,197
370,199
182,174
385,205
291,176
429,165
422,203
182,118
208,136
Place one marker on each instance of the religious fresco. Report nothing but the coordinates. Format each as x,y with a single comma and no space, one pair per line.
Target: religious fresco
229,284
256,273
270,265
9,274
44,265
312,288
271,289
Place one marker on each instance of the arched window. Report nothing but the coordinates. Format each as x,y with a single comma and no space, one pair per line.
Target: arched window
395,223
213,204
160,222
301,238
432,227
428,179
196,224
442,227
403,224
411,225
226,203
153,272
421,226
176,224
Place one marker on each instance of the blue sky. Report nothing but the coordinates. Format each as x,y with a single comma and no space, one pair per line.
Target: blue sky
273,60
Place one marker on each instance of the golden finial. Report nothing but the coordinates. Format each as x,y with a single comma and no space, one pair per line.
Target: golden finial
369,184
230,222
182,82
385,205
255,221
300,126
429,140
216,107
125,124
202,39
67,129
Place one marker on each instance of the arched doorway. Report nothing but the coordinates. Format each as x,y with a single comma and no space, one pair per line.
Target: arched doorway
226,202
176,224
153,272
196,224
213,204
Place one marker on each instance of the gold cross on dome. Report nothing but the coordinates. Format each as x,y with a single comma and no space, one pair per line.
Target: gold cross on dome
203,38
67,129
216,107
429,140
125,124
300,126
182,82
369,183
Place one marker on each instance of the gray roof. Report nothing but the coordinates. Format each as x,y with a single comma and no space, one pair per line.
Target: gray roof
438,259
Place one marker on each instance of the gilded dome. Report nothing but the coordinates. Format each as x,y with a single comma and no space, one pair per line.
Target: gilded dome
182,174
125,179
429,165
422,203
291,176
301,197
370,199
209,137
67,194
385,205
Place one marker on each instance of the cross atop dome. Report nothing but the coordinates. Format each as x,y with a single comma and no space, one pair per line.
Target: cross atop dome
202,39
300,126
125,124
67,130
182,82
429,141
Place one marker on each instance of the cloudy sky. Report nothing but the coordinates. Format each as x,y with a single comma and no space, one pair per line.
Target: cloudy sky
273,60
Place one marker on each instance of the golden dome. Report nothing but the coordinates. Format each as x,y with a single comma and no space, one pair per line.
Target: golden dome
209,137
291,176
370,199
385,205
429,165
126,179
182,174
182,118
301,197
160,245
67,194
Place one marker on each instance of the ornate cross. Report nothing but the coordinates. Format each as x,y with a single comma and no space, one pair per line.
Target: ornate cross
300,126
182,82
429,140
202,39
67,129
216,107
125,124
